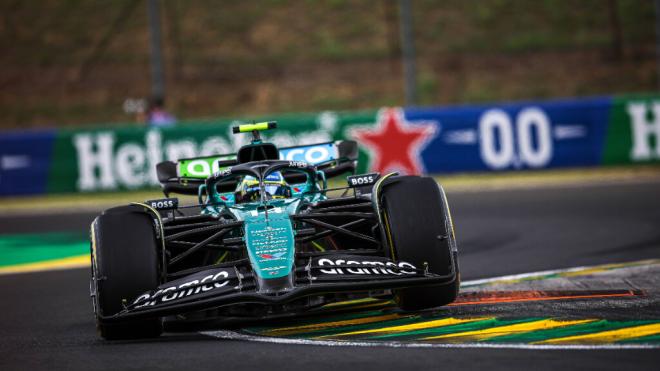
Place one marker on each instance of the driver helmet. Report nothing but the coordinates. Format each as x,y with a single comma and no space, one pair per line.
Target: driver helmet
248,189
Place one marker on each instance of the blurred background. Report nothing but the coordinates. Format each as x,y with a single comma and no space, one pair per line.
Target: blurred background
80,62
96,93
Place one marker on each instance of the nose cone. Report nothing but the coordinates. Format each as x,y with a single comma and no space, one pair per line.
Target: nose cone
275,285
271,248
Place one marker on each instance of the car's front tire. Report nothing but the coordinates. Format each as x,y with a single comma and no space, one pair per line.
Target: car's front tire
124,266
419,230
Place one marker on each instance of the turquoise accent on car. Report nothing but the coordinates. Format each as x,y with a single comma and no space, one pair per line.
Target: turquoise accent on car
269,239
270,243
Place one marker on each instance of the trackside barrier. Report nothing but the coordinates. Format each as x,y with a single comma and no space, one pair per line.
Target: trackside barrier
500,137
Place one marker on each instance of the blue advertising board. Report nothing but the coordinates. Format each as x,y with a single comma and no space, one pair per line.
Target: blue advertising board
525,135
25,162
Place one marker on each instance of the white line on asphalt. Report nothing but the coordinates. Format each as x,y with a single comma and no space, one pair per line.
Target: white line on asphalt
232,335
538,274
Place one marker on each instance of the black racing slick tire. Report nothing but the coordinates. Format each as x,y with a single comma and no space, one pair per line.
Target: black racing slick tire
124,266
419,231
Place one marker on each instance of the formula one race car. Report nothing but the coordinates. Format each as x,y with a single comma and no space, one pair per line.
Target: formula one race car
266,239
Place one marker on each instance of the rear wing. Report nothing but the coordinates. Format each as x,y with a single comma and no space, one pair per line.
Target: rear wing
186,175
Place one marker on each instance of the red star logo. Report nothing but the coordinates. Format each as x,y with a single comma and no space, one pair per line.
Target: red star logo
394,144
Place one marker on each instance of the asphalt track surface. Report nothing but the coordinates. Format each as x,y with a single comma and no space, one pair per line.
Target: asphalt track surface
47,323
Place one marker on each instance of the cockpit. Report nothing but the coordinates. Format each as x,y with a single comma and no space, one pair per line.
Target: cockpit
274,186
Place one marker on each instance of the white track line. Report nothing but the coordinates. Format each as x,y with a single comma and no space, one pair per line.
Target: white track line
522,275
232,335
547,273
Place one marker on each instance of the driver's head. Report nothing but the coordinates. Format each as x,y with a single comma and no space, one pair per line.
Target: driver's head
248,189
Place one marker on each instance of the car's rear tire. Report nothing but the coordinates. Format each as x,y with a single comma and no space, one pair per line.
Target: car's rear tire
124,266
419,229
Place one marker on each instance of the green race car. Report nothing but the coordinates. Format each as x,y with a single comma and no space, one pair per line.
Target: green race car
268,237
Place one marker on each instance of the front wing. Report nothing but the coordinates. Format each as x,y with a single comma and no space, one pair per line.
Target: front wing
218,287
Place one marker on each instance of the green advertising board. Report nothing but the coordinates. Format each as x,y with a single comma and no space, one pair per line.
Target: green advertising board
123,158
633,133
